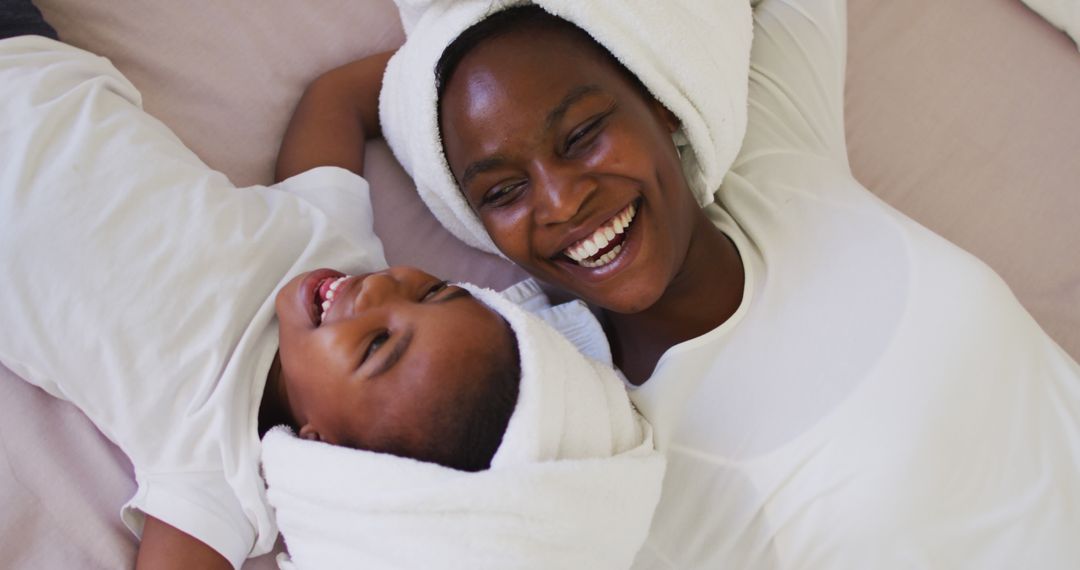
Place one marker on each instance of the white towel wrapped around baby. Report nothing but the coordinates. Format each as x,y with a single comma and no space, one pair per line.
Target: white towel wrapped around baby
573,484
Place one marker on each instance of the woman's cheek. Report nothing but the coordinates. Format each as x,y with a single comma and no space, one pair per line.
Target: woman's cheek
509,230
605,153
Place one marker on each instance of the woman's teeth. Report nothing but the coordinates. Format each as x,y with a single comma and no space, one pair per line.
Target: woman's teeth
328,297
585,252
604,259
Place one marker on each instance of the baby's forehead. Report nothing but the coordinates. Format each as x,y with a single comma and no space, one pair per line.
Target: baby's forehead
497,331
505,330
500,339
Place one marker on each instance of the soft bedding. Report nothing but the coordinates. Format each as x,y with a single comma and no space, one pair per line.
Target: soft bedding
963,114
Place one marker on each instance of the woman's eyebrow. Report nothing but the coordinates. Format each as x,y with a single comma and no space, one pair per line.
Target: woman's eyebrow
481,166
575,95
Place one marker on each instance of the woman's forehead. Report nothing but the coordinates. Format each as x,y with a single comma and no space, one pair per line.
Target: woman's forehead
508,91
533,60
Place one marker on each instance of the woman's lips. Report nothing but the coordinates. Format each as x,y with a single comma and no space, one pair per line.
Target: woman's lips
605,243
616,255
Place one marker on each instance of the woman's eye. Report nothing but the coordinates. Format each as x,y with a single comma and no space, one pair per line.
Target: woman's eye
435,289
586,132
502,194
579,135
377,342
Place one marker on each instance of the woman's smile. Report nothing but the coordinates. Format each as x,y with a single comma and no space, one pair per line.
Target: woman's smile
607,250
605,243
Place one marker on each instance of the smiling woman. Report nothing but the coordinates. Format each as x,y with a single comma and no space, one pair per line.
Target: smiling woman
569,164
834,385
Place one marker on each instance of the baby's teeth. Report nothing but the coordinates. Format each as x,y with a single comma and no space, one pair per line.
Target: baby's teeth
330,294
325,306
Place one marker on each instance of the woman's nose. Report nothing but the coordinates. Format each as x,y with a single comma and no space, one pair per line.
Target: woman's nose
559,193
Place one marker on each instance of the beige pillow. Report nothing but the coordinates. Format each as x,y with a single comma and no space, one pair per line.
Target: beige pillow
225,77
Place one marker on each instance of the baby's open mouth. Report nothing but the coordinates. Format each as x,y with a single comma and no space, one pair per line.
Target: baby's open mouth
605,244
324,294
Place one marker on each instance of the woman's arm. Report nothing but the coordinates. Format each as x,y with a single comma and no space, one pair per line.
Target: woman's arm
164,547
336,114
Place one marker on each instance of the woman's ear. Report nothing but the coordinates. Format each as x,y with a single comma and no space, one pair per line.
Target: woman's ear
310,433
668,118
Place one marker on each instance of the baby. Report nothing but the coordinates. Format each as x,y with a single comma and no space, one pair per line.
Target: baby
181,314
395,361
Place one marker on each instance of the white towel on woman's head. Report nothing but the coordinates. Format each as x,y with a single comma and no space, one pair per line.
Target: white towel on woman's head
573,484
693,55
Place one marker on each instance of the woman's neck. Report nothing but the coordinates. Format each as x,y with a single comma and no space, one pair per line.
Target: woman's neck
704,294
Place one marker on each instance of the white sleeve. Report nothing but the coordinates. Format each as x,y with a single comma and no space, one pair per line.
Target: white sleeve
202,504
797,66
343,196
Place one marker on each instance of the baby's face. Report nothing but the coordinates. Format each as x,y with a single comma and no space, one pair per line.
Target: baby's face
370,357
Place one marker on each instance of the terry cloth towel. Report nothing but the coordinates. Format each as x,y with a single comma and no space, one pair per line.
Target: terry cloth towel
573,484
712,36
1065,14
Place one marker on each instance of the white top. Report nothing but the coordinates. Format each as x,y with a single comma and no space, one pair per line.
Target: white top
139,284
880,399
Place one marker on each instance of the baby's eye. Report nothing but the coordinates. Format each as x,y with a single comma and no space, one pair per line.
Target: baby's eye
377,342
435,289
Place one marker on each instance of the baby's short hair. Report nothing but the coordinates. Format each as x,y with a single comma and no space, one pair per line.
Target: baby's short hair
466,434
469,434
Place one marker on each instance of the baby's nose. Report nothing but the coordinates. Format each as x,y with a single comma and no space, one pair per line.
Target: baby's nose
378,289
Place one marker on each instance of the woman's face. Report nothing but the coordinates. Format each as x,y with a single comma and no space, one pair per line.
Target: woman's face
570,166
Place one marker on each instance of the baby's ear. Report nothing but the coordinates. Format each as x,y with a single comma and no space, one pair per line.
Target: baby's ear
310,433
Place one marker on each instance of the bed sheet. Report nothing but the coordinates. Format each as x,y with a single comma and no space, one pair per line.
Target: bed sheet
964,114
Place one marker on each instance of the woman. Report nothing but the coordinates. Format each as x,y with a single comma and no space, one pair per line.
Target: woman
834,385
